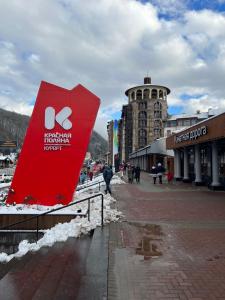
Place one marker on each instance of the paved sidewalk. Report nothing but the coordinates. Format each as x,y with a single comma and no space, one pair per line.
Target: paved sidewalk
170,245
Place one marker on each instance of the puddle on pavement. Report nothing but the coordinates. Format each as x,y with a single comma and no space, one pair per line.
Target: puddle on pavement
148,247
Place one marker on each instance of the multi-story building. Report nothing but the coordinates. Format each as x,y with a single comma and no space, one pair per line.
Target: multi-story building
127,131
180,122
109,157
143,116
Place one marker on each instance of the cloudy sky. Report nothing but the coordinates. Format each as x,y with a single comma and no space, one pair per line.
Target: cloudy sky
110,46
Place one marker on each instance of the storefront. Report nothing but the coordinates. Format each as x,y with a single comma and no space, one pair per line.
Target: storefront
153,154
199,153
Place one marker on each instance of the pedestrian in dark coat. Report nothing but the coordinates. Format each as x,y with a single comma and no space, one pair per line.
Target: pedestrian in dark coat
160,171
154,174
107,175
137,172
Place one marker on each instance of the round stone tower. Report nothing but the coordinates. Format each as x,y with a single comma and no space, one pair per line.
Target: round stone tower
149,110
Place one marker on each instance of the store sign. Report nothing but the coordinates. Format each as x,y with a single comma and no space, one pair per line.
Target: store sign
55,146
191,135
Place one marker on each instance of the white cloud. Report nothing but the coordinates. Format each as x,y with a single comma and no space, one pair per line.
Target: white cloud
109,46
170,7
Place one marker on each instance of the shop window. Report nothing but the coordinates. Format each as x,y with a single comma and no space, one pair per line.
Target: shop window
174,123
187,123
222,161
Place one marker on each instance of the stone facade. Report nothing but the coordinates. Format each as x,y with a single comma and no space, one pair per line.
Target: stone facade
148,106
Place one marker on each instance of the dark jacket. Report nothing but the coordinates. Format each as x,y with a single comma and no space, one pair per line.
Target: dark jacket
154,171
107,174
137,171
160,169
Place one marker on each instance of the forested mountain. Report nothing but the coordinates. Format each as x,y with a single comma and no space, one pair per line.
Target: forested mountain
13,126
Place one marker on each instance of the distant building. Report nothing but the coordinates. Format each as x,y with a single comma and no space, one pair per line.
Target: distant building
177,123
109,157
143,116
8,146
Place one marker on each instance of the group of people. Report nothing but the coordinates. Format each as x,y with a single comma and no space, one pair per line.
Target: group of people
133,173
85,175
157,172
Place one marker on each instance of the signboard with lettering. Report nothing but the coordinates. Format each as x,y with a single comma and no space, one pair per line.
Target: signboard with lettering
55,146
8,144
191,135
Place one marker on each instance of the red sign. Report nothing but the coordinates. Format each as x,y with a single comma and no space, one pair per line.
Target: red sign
55,146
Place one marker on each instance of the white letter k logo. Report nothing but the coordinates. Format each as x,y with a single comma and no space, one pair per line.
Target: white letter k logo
61,118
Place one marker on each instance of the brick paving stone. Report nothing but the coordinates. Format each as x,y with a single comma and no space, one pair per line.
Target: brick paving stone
192,264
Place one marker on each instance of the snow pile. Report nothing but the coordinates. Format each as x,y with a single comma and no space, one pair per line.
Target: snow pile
3,195
76,227
117,180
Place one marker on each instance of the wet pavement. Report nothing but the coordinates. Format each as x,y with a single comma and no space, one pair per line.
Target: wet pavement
75,269
170,245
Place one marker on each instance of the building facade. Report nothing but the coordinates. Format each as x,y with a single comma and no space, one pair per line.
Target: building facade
143,116
153,154
180,122
109,154
199,153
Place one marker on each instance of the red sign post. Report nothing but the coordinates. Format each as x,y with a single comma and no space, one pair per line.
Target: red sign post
55,145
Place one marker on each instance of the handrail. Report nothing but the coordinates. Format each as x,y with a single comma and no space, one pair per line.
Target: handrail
87,186
88,179
59,208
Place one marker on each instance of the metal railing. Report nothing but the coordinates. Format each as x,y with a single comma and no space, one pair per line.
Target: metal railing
89,180
7,171
87,186
56,209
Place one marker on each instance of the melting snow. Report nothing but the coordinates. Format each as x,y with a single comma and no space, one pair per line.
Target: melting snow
75,227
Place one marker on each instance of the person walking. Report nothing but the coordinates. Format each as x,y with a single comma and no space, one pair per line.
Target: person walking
160,171
107,175
130,174
83,177
154,174
124,168
121,170
137,173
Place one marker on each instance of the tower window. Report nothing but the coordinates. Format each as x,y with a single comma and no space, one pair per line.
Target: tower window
139,95
146,93
142,138
160,94
142,115
142,105
158,110
142,123
154,94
